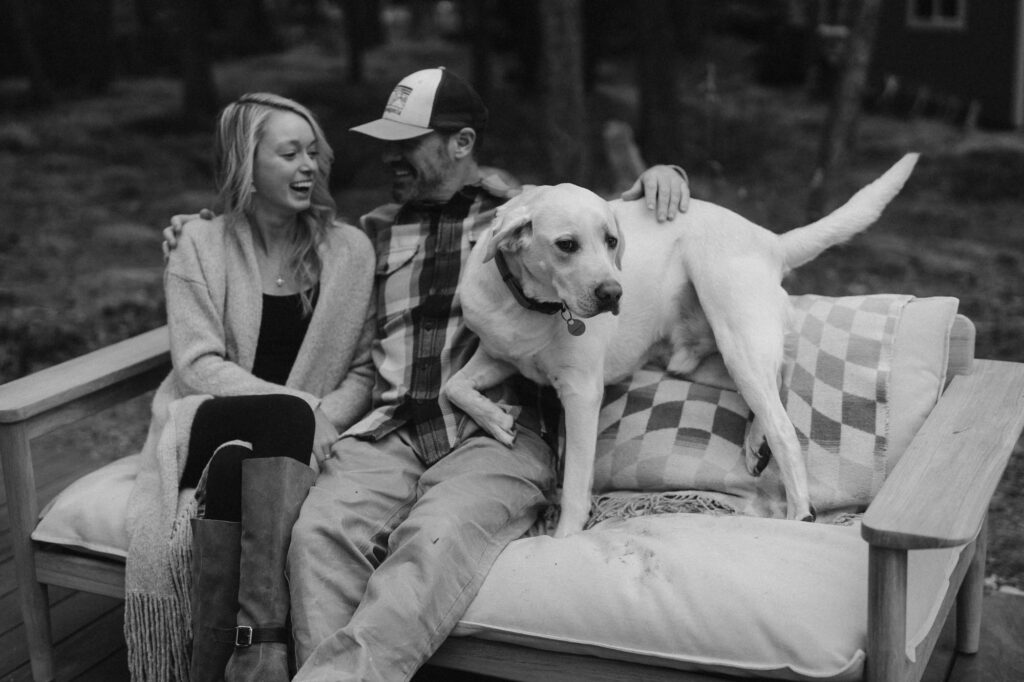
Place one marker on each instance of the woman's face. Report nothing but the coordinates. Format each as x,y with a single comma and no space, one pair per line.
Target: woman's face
285,166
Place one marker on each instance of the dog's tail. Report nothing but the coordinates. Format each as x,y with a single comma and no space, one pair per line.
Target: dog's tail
805,243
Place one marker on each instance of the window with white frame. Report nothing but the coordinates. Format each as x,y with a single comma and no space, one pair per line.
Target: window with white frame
948,14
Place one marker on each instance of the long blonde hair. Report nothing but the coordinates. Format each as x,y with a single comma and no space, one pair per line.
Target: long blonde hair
239,130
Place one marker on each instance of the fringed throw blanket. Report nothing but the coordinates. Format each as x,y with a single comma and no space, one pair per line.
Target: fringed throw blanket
157,617
670,445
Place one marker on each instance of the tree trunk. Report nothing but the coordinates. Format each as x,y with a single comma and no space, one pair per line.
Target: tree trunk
363,30
248,27
158,52
845,108
199,101
624,159
41,91
75,42
478,14
564,106
521,20
660,108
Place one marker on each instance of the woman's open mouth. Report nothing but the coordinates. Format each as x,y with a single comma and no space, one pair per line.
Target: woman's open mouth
302,187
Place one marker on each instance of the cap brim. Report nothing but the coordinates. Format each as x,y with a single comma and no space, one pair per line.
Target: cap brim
385,129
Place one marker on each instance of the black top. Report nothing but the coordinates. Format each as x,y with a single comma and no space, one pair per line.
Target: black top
282,328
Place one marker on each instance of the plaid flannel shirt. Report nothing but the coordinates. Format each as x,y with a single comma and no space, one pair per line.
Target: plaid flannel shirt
421,336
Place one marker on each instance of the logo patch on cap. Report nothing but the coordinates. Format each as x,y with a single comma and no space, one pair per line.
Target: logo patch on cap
396,103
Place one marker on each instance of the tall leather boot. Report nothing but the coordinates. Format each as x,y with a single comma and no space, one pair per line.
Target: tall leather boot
215,553
273,490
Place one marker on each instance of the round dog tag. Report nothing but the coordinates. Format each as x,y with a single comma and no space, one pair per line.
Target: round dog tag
576,327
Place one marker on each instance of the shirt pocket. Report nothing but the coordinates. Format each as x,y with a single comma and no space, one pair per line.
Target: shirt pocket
395,259
395,295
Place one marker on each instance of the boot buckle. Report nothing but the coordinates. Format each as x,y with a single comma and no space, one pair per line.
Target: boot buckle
243,636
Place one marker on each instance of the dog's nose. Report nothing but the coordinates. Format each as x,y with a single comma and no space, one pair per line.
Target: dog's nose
608,294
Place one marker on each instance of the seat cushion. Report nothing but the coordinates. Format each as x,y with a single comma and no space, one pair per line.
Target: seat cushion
90,514
737,595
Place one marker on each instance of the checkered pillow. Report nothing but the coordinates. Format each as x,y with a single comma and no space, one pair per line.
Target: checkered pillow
659,434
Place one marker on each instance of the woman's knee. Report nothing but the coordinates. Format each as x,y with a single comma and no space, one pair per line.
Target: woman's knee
224,483
257,412
289,409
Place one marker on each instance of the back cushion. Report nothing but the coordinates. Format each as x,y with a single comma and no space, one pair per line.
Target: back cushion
861,373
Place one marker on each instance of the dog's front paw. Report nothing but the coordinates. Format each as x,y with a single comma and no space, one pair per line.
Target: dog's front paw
500,425
568,526
571,521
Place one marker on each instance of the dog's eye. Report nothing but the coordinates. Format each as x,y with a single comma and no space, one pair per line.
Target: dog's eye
567,245
611,241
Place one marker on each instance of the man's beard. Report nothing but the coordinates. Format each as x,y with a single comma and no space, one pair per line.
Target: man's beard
424,184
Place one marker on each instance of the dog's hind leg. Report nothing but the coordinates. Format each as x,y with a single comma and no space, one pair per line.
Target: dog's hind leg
758,385
463,389
750,334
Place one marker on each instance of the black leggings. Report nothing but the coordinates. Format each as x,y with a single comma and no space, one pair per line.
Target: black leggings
276,425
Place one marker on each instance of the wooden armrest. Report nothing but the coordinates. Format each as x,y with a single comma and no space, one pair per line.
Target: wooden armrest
938,493
140,361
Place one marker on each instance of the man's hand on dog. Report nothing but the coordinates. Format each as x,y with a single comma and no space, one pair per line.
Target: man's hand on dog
172,231
665,188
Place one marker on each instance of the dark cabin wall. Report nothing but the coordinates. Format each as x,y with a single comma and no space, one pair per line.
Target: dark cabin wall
976,63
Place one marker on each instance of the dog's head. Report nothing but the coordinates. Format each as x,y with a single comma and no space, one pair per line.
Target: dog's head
567,246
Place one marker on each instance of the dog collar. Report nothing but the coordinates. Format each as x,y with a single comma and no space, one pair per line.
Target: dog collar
574,326
546,307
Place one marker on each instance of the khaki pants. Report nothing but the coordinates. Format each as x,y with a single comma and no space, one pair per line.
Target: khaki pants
387,555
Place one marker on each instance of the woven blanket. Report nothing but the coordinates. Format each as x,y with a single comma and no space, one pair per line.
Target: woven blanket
666,443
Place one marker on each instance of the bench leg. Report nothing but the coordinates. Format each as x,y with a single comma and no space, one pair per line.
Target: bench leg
887,615
22,506
970,597
35,609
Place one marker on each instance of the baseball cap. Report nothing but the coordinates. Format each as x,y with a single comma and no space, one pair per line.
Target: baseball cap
424,101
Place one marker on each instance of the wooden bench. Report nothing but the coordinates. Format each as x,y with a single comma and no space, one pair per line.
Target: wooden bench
937,496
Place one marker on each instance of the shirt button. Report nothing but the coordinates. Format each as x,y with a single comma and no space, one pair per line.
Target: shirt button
428,325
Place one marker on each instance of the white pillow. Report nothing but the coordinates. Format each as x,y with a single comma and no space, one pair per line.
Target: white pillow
90,513
730,594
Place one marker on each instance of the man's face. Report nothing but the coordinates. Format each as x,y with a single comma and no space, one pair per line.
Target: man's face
421,169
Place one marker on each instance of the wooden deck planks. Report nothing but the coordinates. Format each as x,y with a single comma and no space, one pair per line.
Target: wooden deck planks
1001,656
95,651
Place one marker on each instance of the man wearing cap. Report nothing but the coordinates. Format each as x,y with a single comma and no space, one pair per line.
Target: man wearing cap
416,502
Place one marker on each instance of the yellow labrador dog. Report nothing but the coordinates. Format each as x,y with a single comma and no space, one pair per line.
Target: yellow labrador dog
710,280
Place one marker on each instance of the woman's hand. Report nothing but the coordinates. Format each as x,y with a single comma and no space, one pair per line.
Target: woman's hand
324,437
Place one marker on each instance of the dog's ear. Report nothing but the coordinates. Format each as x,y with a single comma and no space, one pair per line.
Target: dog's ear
513,224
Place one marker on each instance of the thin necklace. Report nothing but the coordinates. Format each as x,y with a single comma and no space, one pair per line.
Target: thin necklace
281,264
279,281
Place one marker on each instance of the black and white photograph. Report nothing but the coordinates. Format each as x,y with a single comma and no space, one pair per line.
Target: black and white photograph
511,340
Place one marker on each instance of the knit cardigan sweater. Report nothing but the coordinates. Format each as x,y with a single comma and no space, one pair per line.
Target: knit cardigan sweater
214,304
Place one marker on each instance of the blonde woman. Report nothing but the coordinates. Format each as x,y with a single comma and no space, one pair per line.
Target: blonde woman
267,307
